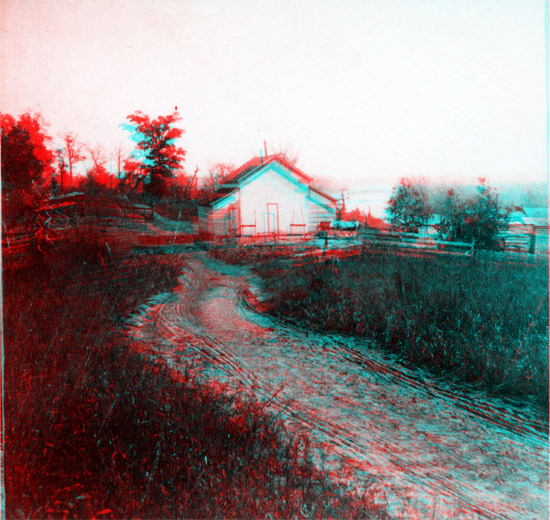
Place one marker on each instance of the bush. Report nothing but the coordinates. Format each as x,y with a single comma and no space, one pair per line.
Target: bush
408,209
175,209
477,219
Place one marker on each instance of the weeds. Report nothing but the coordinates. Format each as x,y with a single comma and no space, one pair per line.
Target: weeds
92,429
485,323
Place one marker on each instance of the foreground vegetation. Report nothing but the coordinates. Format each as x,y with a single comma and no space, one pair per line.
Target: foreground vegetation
94,430
484,322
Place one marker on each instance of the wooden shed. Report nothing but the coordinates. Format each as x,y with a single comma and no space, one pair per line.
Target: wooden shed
266,198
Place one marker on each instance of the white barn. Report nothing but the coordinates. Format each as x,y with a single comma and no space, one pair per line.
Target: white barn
266,198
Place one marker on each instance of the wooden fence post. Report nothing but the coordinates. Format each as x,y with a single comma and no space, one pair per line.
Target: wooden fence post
532,242
400,285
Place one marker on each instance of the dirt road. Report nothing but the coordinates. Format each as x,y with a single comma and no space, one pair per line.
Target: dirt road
433,450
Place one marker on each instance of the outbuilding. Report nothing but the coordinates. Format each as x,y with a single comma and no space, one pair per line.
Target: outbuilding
266,199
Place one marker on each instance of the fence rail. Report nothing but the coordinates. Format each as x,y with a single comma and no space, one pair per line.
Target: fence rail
406,241
508,242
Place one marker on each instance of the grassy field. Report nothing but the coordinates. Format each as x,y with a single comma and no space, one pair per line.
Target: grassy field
484,322
94,430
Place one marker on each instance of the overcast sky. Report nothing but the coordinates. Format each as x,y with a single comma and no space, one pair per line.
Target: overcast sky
364,90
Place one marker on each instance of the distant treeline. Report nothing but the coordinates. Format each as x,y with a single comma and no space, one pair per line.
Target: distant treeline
527,195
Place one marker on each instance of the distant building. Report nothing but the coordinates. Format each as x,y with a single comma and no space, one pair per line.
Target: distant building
528,226
266,198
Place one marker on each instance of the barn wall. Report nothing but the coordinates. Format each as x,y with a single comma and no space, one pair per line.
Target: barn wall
273,186
223,222
203,220
273,201
219,221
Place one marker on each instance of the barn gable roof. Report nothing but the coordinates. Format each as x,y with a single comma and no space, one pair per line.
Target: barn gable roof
537,217
248,170
323,194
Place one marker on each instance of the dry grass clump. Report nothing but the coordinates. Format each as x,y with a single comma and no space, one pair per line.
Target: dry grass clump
484,322
93,429
253,254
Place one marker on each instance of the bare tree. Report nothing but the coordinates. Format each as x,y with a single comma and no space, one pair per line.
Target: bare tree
188,192
286,154
98,157
62,167
98,173
219,171
73,151
120,155
344,194
216,174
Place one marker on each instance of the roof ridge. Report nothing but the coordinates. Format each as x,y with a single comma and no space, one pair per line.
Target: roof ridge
251,166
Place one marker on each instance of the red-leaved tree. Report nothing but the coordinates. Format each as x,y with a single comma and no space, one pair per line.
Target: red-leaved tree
156,150
26,156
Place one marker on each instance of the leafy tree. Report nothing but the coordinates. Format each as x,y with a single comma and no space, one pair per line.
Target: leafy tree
452,213
476,219
129,176
26,157
177,187
355,215
157,155
408,207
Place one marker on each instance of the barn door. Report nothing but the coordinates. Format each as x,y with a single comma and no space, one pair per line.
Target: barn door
272,219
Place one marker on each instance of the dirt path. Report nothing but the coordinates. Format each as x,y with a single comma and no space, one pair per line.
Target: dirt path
434,451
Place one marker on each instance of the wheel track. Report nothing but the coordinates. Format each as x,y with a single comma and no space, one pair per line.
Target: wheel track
515,423
174,318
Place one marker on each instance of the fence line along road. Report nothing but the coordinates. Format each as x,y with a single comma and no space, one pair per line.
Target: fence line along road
396,240
341,245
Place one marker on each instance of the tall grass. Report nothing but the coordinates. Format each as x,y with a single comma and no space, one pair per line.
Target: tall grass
94,430
484,322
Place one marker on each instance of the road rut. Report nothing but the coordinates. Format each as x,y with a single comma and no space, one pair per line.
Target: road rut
432,449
